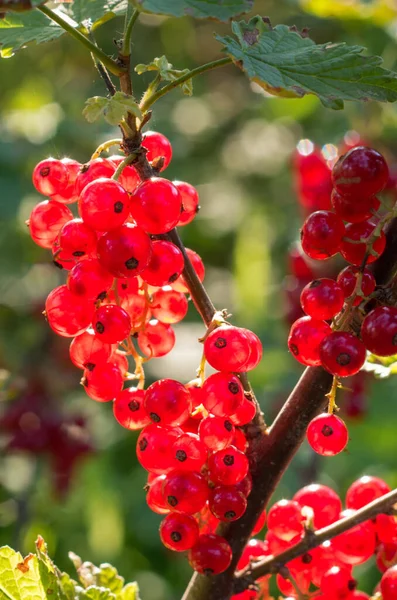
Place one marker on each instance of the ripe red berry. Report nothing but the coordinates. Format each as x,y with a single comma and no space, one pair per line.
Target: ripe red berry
386,556
129,178
222,394
68,194
99,167
76,239
157,339
111,323
322,299
388,584
125,252
89,279
156,205
228,466
167,402
342,354
154,496
361,172
179,285
104,204
227,503
104,382
185,491
325,503
227,348
347,280
285,520
354,209
379,331
386,529
128,409
256,350
165,265
356,545
321,234
254,550
285,586
169,306
304,340
338,583
260,523
179,532
158,146
327,434
87,351
46,220
355,253
245,413
190,202
211,555
189,453
216,432
365,490
154,448
50,176
67,314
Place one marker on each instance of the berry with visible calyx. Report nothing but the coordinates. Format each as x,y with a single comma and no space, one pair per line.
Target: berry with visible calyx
104,383
356,545
227,348
46,220
347,280
189,453
154,448
388,584
379,331
321,234
338,583
89,280
156,205
327,434
324,502
157,146
210,555
95,169
157,339
76,239
125,252
50,176
216,432
365,490
179,532
361,172
104,204
167,402
111,323
185,491
87,351
228,466
227,503
154,496
322,299
355,252
285,520
129,411
67,314
342,354
304,340
165,265
169,306
190,202
179,285
222,393
354,209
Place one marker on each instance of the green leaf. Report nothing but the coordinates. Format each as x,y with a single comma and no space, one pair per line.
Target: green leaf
96,12
20,578
96,593
16,31
19,5
286,64
108,577
167,72
381,366
94,108
119,106
129,592
201,9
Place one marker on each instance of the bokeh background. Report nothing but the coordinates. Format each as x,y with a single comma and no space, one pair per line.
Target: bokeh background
67,470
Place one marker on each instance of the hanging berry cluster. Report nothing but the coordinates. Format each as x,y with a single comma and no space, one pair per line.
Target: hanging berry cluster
355,229
124,291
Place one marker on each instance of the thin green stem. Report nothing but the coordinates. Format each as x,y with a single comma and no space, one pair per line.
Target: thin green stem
109,63
126,49
170,86
128,160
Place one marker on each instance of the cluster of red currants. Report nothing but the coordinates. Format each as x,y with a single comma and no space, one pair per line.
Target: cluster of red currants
355,229
121,274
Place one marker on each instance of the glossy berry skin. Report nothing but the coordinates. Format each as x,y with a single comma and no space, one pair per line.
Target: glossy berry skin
179,532
104,204
46,220
347,279
190,202
222,394
254,550
88,279
87,351
321,234
50,176
322,299
75,238
227,348
165,265
179,285
356,545
388,584
156,205
157,339
189,453
379,331
129,179
342,354
216,432
185,491
365,490
338,583
154,496
354,209
325,503
245,413
169,306
66,313
95,169
327,434
167,402
68,195
128,409
228,466
355,253
111,323
256,350
285,520
103,383
227,503
304,340
157,146
154,448
260,523
211,555
361,172
126,251
286,587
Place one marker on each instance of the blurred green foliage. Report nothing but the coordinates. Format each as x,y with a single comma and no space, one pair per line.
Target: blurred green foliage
234,144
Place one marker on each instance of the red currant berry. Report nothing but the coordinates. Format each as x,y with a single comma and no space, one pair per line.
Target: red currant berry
156,205
253,551
321,234
111,323
50,177
386,556
189,453
179,285
388,584
227,503
259,525
66,313
347,280
227,348
338,583
222,394
355,253
129,179
324,502
354,209
327,434
68,194
87,351
211,555
342,354
304,340
76,239
154,448
190,202
228,466
95,169
185,492
103,383
256,350
46,220
322,299
167,402
120,359
361,172
365,490
89,279
157,146
126,251
166,264
154,496
386,529
128,409
286,587
157,340
244,414
285,520
179,532
356,545
216,432
169,306
379,331
104,205
245,487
